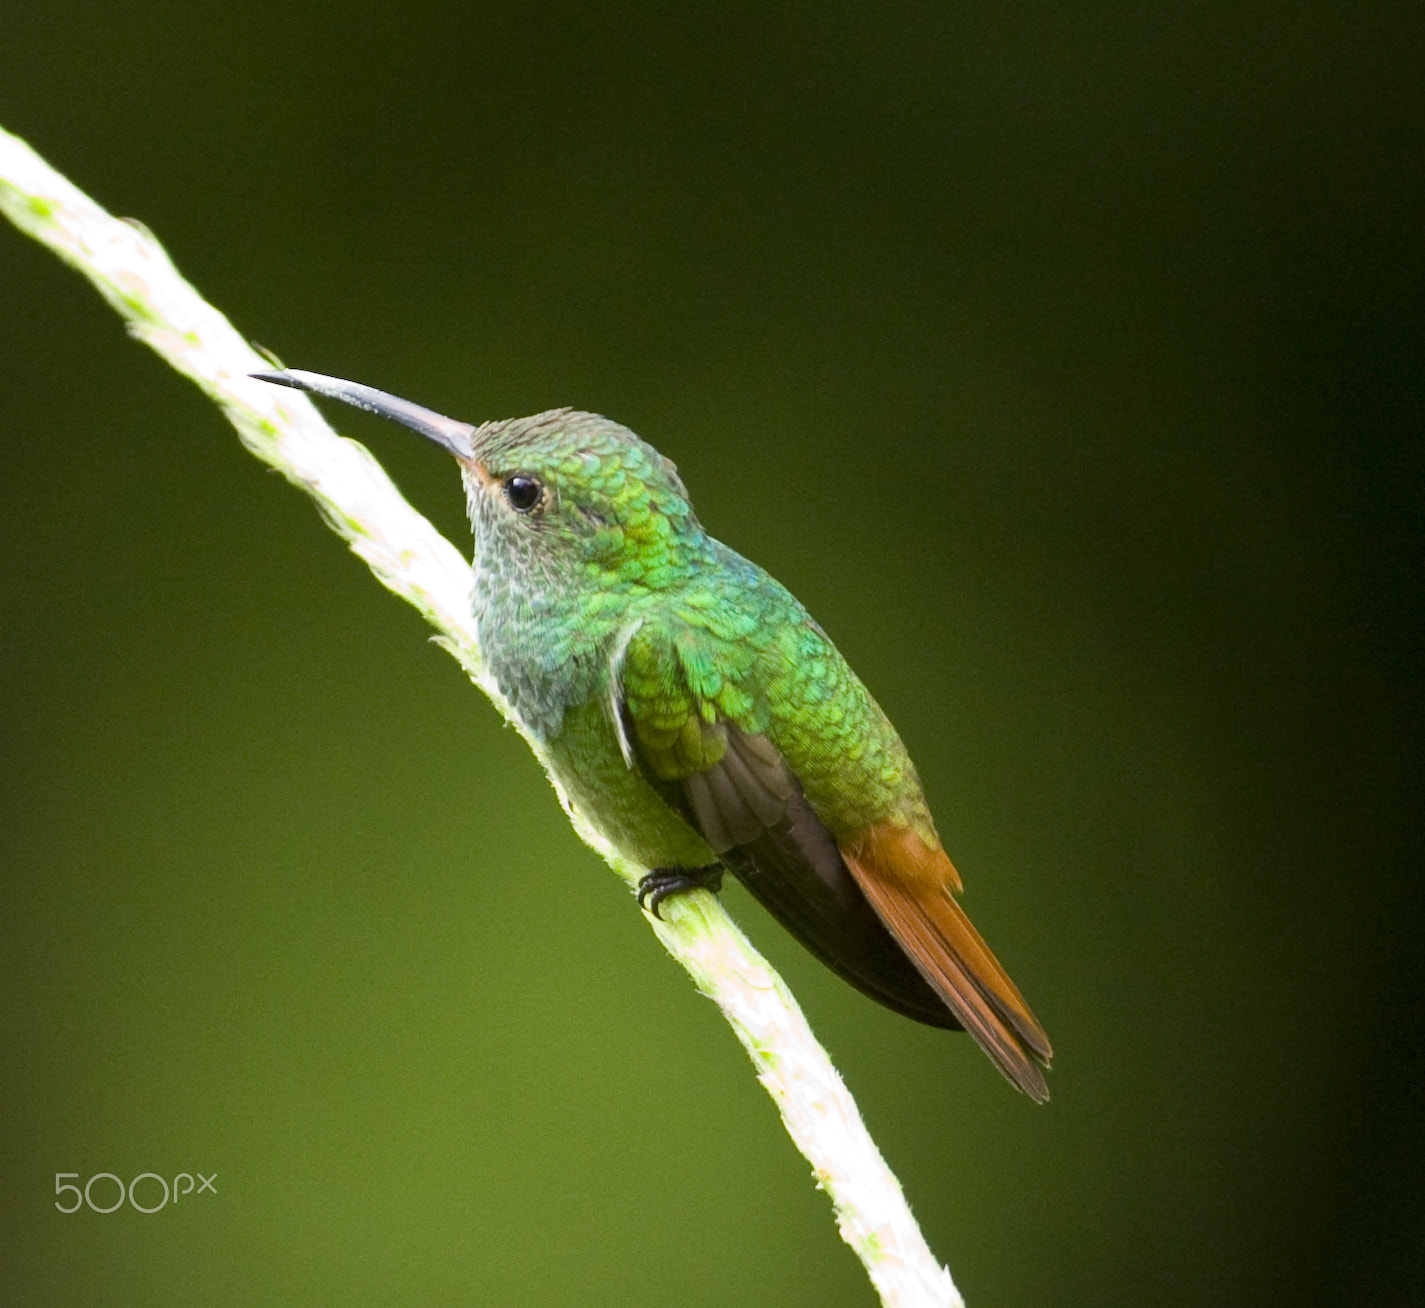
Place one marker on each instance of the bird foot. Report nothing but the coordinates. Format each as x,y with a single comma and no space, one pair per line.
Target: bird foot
664,881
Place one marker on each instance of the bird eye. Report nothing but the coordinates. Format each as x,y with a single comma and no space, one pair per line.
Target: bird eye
523,493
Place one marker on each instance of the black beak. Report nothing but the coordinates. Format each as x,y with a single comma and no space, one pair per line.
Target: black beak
445,432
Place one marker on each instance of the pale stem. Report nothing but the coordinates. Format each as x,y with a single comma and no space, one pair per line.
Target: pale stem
407,554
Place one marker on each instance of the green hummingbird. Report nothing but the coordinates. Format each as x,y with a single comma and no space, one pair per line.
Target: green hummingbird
698,717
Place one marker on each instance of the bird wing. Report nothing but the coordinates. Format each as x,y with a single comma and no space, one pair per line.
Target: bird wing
876,906
696,730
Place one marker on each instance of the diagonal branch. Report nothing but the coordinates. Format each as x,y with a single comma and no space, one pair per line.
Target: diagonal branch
359,502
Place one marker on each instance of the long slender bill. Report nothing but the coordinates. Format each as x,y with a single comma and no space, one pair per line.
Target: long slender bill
445,432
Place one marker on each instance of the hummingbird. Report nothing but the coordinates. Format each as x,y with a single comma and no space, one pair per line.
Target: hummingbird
700,719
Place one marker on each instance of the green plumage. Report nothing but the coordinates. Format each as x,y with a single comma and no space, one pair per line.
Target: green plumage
695,715
739,649
609,591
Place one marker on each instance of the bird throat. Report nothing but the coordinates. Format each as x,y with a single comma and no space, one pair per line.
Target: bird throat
545,639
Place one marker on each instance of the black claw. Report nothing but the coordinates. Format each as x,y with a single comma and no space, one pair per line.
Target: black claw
664,881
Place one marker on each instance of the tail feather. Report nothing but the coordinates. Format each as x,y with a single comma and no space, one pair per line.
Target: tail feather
908,884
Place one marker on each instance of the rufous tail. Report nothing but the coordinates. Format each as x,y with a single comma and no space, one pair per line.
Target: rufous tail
910,885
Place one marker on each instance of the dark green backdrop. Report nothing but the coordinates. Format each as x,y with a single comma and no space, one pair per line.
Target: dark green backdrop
1065,360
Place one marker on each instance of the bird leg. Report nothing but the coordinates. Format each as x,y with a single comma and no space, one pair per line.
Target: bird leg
664,881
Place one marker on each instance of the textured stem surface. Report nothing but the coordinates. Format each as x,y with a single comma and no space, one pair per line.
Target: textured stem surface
407,554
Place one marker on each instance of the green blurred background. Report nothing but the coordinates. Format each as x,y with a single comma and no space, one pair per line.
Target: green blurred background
1064,360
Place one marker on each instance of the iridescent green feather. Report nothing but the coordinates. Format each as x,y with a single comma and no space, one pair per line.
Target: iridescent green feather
617,555
746,652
